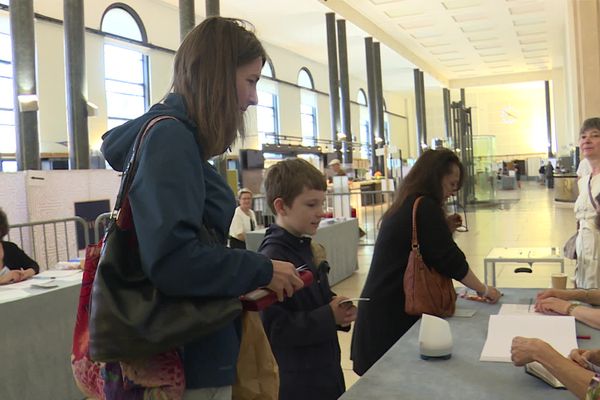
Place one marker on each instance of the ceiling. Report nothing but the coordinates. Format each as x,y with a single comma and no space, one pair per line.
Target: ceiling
458,43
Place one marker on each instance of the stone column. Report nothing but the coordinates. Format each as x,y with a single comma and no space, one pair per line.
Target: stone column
77,118
187,17
334,88
22,35
212,8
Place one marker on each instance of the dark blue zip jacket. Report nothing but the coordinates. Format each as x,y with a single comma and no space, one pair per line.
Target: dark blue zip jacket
173,192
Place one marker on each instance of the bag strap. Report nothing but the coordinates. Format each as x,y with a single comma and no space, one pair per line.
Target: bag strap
414,241
594,204
129,172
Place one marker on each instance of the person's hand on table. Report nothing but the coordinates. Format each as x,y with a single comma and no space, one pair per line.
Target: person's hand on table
582,356
12,276
285,279
454,221
525,350
491,295
552,305
558,293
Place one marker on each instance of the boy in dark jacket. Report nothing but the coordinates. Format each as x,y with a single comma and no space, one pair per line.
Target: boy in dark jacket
302,330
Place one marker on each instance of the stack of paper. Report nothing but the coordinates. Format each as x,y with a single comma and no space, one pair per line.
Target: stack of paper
558,331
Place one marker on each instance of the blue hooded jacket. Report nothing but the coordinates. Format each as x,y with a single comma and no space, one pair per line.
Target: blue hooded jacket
173,192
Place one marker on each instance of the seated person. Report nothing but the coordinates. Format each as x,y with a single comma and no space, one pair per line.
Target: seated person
15,265
244,220
559,301
303,329
573,372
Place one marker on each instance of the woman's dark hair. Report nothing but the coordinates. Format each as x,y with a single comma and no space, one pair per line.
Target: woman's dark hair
425,177
590,123
204,73
3,224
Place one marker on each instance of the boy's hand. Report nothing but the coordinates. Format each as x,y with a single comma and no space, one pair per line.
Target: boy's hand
343,314
285,279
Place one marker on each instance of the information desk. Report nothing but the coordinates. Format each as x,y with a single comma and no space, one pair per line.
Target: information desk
35,343
340,239
526,255
401,374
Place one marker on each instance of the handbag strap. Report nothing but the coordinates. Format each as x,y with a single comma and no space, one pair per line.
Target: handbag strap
129,172
594,204
414,241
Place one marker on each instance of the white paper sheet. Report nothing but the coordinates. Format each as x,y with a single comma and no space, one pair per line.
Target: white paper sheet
57,274
10,295
558,331
518,309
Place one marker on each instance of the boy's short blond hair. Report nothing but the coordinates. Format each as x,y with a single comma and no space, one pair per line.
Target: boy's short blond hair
288,178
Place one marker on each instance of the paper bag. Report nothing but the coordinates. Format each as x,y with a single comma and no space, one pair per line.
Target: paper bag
257,370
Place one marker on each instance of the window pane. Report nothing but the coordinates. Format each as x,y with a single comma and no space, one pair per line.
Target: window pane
5,69
119,22
8,142
304,79
5,48
123,64
124,83
6,93
267,70
265,99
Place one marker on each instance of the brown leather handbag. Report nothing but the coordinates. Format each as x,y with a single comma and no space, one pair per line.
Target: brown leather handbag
426,291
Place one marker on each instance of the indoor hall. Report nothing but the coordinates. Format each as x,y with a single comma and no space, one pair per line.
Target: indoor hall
504,84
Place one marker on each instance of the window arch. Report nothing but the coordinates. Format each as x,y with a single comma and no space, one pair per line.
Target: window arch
305,79
125,66
361,98
119,19
268,70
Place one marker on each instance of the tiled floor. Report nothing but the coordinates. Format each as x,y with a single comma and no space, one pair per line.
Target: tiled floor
526,217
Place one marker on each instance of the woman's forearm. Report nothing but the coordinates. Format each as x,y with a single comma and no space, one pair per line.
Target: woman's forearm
573,376
472,281
587,315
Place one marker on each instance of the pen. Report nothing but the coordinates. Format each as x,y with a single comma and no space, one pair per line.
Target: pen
529,308
586,337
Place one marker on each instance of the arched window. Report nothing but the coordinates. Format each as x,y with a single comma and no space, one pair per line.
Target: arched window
267,110
268,70
8,140
308,108
125,66
365,130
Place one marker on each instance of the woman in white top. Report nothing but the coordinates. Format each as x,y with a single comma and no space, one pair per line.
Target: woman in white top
243,220
588,238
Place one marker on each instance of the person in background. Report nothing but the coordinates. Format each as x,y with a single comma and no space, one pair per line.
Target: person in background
336,167
243,220
176,192
587,244
549,175
437,175
303,330
517,174
15,265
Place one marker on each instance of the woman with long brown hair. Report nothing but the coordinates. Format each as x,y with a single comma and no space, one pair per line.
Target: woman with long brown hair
437,175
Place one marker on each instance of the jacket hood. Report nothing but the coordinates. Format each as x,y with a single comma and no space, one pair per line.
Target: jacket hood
118,142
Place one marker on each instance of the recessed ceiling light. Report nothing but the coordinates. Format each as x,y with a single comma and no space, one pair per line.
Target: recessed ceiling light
469,17
440,52
487,46
451,58
493,54
533,49
530,31
425,34
403,13
458,4
476,28
481,38
527,8
532,41
434,44
417,24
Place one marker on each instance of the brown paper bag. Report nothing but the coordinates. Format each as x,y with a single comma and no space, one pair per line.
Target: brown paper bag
257,370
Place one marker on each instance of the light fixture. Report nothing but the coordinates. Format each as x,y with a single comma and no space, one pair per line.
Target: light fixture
378,140
341,135
28,102
92,109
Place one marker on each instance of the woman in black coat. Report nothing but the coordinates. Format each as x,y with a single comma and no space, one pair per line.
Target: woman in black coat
436,175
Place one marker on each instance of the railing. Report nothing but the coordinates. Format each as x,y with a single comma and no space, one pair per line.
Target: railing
100,224
49,242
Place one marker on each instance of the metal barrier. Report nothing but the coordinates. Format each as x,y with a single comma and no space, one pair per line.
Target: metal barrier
368,208
49,242
100,224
